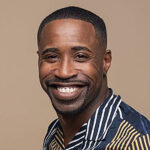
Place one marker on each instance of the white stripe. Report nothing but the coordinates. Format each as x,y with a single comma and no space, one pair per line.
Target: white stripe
77,139
103,116
89,145
87,133
109,113
84,124
112,118
120,113
87,128
80,132
116,109
100,121
110,123
74,146
94,123
84,145
93,148
49,134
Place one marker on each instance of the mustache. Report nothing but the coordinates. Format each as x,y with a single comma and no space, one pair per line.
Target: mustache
57,80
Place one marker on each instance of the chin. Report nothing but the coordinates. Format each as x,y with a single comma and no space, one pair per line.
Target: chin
70,109
70,112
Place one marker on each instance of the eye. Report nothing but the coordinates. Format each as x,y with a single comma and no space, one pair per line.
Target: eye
80,57
51,58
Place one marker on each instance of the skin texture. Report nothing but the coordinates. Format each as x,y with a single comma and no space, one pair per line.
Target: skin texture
70,55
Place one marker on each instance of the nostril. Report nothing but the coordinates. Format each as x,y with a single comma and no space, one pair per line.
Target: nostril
66,74
66,68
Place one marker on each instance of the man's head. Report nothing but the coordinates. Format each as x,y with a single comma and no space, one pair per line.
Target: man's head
81,14
73,60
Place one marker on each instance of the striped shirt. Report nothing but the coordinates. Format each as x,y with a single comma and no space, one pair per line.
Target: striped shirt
113,126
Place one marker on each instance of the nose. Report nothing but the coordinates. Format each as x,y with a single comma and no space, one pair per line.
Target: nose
66,69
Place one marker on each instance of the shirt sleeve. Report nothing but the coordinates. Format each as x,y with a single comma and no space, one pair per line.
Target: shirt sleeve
141,143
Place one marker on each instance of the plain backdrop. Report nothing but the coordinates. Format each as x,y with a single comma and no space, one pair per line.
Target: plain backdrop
25,110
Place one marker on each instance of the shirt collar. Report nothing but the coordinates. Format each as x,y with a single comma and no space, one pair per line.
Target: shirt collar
97,126
101,120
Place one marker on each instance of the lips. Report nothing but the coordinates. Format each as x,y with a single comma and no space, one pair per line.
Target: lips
66,91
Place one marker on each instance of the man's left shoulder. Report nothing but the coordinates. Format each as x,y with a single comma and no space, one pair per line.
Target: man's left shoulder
130,130
136,119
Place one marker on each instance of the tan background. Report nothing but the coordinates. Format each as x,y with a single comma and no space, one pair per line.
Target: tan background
25,110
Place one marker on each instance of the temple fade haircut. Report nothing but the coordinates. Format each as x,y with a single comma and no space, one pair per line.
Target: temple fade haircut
73,12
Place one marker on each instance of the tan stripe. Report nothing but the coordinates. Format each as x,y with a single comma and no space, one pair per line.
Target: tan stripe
129,148
136,143
60,136
53,144
148,139
122,137
59,140
118,132
145,143
136,136
141,143
130,139
126,137
118,138
60,131
115,135
106,148
133,148
130,134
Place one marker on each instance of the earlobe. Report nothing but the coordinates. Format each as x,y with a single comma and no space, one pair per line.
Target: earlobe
107,61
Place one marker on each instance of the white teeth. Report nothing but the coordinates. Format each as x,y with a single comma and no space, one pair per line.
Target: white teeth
66,89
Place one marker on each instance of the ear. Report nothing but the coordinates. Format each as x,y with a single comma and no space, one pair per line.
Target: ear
107,61
37,52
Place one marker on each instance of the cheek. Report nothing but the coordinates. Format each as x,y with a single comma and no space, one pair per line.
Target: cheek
45,69
91,70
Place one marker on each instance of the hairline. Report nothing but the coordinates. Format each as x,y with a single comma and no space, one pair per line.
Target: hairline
97,32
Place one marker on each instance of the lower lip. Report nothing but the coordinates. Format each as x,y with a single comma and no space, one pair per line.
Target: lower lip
64,96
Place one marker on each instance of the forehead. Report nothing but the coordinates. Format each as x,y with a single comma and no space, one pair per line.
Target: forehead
68,31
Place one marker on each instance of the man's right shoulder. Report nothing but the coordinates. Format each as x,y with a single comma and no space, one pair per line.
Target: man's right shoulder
50,133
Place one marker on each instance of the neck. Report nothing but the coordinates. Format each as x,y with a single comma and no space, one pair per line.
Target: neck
72,124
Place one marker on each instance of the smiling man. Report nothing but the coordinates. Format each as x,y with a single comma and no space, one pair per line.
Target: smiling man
73,65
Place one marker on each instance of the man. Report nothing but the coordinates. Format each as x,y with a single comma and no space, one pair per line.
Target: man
73,65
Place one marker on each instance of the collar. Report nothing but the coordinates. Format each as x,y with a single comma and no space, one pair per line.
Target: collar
101,120
97,126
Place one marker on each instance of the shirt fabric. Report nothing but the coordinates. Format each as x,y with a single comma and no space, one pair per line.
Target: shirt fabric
113,126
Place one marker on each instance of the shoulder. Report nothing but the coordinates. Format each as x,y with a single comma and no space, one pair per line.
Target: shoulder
50,132
136,119
52,127
130,130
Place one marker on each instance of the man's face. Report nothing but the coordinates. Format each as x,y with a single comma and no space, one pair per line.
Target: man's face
71,64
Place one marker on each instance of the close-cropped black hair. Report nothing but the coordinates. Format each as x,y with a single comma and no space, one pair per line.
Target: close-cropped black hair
77,13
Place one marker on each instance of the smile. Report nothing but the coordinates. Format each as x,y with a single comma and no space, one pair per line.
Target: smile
66,89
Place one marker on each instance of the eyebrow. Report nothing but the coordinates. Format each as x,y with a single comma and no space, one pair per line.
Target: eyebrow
49,50
75,48
78,48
